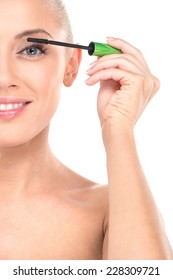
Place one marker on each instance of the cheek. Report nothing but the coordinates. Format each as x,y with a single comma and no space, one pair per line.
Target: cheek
47,93
44,80
44,75
39,81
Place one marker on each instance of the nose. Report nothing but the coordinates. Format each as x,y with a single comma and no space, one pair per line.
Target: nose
8,74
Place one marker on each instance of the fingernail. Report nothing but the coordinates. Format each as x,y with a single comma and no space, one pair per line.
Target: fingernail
110,38
86,81
89,71
94,62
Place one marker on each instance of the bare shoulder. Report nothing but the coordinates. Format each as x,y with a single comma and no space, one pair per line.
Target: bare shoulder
80,206
91,203
93,195
84,205
82,189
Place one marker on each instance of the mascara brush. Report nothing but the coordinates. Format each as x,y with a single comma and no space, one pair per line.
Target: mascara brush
95,49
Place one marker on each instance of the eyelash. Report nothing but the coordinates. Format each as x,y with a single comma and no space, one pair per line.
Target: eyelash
40,47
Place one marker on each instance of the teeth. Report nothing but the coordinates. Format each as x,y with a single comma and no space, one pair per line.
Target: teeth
2,106
8,107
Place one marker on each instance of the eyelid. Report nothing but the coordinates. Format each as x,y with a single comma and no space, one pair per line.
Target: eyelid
41,47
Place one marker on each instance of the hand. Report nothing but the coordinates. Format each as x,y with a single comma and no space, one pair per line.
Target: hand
126,84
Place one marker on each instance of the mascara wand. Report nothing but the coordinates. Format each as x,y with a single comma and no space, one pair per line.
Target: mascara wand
95,49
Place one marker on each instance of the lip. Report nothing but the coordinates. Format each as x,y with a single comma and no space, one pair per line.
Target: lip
9,114
13,99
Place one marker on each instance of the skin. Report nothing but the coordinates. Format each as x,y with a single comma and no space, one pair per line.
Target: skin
46,210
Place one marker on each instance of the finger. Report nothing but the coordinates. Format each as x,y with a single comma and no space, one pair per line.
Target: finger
115,74
123,45
126,48
118,62
133,59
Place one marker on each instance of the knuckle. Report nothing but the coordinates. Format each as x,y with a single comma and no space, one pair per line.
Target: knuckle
156,84
151,82
139,52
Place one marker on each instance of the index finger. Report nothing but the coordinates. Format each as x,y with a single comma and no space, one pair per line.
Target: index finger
126,48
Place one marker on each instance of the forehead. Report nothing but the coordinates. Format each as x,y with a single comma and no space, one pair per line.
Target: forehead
19,15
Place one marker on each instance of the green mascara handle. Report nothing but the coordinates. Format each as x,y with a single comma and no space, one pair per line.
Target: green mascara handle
100,49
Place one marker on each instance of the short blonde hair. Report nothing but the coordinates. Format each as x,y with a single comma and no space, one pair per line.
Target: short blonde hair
61,13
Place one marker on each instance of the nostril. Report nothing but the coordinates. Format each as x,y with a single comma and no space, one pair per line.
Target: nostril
8,81
13,85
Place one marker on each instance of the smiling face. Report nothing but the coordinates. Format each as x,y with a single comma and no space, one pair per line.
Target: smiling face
28,72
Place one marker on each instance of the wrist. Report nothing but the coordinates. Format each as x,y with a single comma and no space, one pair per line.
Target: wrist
115,131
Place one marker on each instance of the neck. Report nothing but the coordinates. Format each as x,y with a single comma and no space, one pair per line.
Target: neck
22,165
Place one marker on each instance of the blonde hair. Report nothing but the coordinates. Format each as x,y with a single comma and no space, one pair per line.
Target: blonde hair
61,13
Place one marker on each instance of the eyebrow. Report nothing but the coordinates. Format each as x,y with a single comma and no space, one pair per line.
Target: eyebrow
31,32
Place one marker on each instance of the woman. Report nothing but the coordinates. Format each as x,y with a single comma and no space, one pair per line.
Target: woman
46,210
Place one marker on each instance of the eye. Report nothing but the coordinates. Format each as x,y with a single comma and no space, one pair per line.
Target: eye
33,50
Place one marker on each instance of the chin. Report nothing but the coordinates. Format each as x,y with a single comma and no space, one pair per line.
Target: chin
15,139
12,143
23,134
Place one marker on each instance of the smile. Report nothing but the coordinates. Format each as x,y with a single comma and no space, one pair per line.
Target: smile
8,107
11,110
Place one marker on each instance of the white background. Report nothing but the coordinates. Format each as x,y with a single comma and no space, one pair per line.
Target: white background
75,134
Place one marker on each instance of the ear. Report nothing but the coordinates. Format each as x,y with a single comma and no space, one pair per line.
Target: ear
72,67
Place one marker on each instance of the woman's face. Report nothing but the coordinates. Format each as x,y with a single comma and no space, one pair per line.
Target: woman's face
28,72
